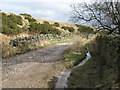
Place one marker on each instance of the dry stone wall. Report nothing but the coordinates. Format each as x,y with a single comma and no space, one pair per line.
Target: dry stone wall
39,38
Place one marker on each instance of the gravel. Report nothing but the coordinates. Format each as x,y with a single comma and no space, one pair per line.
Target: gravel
34,69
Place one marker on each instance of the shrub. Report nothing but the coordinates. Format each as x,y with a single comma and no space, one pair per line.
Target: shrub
9,51
102,32
70,29
85,29
16,19
30,19
24,47
107,55
56,24
11,30
26,15
43,29
9,23
45,22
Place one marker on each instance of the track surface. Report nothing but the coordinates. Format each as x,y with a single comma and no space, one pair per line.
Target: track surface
34,69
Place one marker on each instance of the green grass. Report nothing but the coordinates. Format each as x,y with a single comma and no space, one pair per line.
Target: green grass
82,77
10,23
43,29
70,29
85,29
73,57
102,70
26,15
30,19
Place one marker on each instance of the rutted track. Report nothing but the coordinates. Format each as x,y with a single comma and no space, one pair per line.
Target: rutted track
34,69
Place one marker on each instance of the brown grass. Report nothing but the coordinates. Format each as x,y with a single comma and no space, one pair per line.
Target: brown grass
4,38
81,41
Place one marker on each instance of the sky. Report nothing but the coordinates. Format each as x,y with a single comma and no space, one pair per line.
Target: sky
57,10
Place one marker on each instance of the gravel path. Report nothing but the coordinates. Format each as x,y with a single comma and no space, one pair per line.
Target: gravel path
34,69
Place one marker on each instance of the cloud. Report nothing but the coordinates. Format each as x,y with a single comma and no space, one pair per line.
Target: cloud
39,10
73,1
47,9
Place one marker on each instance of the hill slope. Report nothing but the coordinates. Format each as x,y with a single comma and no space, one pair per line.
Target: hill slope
25,25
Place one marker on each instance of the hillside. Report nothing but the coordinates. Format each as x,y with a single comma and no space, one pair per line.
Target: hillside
25,25
25,20
23,33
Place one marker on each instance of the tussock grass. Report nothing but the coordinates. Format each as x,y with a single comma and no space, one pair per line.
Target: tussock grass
4,38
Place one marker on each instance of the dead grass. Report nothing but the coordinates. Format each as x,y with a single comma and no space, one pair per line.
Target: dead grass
81,41
8,51
4,38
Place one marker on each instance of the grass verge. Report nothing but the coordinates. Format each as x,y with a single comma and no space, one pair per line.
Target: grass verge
10,51
73,57
102,70
77,52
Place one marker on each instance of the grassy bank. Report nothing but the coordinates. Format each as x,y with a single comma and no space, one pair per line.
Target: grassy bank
77,52
73,57
102,70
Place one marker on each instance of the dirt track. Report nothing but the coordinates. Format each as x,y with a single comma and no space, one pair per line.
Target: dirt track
34,69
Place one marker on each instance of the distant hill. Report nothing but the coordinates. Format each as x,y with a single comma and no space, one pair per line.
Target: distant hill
22,25
14,24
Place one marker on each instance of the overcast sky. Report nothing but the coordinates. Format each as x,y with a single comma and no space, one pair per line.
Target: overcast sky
56,10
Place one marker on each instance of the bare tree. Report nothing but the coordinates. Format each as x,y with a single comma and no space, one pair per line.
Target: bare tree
104,15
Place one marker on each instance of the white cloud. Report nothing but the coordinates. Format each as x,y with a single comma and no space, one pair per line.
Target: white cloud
11,6
46,9
69,1
45,13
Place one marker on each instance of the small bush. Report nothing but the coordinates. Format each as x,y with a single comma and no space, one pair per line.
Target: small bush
9,23
24,47
85,29
43,29
16,19
9,51
26,15
30,19
103,32
45,22
11,31
70,29
56,24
